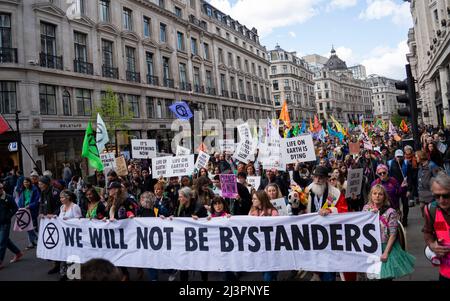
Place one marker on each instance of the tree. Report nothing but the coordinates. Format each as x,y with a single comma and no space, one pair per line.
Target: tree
115,113
396,120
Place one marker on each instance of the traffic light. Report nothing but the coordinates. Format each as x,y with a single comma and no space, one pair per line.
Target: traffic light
409,99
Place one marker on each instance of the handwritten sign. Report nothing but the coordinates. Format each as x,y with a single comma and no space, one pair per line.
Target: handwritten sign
229,186
202,160
354,182
298,149
227,146
280,205
182,151
108,160
254,181
121,166
143,148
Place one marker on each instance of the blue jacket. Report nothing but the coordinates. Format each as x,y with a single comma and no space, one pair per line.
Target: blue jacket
34,202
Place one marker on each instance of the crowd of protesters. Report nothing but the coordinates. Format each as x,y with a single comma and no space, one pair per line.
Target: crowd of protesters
395,178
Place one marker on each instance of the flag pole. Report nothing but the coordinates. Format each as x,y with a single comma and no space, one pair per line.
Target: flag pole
22,145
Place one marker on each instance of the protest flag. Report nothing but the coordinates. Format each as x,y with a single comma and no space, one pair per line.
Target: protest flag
90,150
284,115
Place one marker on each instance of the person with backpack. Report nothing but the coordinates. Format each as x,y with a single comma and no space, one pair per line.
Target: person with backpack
396,262
426,171
437,223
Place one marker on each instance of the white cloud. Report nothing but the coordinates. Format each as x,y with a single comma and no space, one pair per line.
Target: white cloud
265,15
292,34
388,62
341,4
377,9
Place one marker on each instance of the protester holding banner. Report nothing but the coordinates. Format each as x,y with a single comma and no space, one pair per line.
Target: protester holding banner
163,203
8,208
395,261
29,199
171,192
203,193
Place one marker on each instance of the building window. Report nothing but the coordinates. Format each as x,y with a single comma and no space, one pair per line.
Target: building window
162,3
276,98
127,19
47,99
192,3
230,59
84,103
104,10
121,105
149,106
253,68
197,79
275,85
8,99
178,12
80,46
134,105
107,49
183,77
209,84
5,32
180,41
147,27
162,33
48,39
238,60
67,110
194,48
274,70
131,59
220,55
223,82
159,109
166,68
233,84
206,51
241,87
149,61
260,71
285,69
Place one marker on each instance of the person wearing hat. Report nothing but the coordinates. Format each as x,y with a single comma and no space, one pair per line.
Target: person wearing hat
324,199
402,171
34,176
392,186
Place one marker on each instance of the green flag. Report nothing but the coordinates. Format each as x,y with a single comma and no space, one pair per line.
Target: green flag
90,150
295,132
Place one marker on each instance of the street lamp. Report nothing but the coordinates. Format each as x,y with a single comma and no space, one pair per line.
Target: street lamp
19,141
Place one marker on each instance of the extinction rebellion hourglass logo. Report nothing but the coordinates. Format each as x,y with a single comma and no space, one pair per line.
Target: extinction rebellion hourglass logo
50,236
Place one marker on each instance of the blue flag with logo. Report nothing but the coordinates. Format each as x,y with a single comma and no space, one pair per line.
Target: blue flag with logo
181,110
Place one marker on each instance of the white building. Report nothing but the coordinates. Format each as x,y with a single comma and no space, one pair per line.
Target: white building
429,57
384,96
340,95
359,72
152,53
292,81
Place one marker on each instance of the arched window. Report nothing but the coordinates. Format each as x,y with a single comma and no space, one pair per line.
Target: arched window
67,108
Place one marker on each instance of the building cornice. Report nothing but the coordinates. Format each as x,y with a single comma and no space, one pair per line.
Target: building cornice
108,28
240,49
49,8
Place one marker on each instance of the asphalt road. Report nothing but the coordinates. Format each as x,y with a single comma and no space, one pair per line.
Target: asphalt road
31,268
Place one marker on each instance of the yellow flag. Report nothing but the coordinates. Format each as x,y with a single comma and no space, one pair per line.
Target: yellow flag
339,127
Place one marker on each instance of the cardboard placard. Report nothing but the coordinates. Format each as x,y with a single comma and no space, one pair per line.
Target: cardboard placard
143,148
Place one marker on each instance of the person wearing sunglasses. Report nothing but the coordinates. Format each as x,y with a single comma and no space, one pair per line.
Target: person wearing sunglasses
437,223
391,185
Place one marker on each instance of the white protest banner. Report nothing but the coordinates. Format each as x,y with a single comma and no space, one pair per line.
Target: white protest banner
121,166
298,149
143,148
182,151
254,181
227,146
280,205
202,160
354,182
172,166
24,221
108,160
338,243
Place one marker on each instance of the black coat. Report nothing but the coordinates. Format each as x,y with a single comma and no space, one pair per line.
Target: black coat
281,184
8,208
49,202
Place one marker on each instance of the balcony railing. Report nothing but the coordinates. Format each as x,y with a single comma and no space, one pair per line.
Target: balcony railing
210,91
250,98
110,72
83,67
169,83
8,55
51,61
225,93
234,95
133,76
185,86
152,80
199,89
242,97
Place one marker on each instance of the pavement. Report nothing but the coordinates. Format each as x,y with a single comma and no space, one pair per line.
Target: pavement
30,268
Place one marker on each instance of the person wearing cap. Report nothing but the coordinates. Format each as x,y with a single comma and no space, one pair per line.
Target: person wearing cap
401,170
392,186
324,199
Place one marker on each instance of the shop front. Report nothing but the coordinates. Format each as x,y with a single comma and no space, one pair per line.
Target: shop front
8,159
